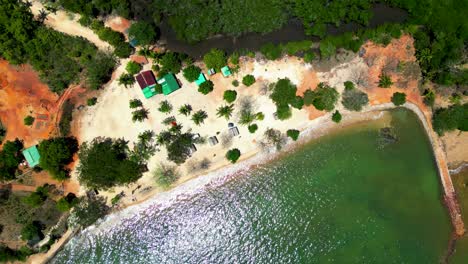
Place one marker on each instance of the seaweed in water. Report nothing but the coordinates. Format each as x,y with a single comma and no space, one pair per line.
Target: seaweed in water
386,137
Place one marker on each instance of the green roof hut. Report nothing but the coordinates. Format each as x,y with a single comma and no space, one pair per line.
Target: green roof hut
32,156
226,71
169,83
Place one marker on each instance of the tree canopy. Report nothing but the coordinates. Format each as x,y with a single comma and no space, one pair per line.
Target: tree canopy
55,154
191,73
284,96
10,158
104,163
398,98
323,97
354,99
451,118
215,59
144,32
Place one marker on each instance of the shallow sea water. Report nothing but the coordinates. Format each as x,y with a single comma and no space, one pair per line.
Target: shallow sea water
339,199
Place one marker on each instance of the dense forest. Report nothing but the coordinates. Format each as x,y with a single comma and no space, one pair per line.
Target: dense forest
60,59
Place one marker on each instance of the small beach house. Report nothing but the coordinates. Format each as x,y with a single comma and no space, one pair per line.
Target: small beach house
32,156
147,83
211,72
169,83
226,71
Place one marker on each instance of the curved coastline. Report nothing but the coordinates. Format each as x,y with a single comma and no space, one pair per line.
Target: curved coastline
316,128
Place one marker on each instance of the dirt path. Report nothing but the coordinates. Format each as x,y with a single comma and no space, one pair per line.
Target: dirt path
67,23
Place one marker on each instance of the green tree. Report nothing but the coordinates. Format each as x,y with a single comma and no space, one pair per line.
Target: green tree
234,58
165,107
354,99
91,101
10,158
185,110
170,62
191,73
248,80
144,32
135,103
246,117
56,153
293,134
65,203
336,117
327,49
309,56
105,163
199,117
100,70
28,120
133,67
206,87
225,111
398,98
230,96
233,155
139,115
235,83
89,210
323,97
215,59
451,118
385,81
165,175
271,51
252,128
349,86
126,80
32,231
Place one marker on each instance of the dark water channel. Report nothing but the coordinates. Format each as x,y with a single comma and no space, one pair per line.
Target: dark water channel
292,31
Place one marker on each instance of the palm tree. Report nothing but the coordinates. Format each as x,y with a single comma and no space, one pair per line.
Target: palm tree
246,118
165,107
199,117
146,136
225,111
385,81
185,110
42,16
126,80
139,115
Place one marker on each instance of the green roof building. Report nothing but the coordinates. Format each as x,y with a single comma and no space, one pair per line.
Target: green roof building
169,83
149,91
201,79
226,71
32,156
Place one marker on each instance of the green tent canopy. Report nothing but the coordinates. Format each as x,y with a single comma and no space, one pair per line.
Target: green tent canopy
226,71
32,156
201,79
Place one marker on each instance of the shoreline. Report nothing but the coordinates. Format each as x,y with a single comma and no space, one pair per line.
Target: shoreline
315,129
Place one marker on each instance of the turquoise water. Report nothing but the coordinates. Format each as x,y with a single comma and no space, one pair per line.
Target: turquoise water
340,199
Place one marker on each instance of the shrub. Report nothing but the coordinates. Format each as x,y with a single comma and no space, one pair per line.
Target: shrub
135,103
327,49
252,128
398,98
323,97
29,120
429,97
165,175
123,50
165,107
235,83
293,134
294,47
248,80
233,155
283,112
298,102
89,210
349,85
354,100
185,110
133,67
91,101
10,158
32,231
271,51
64,204
170,62
385,81
259,116
215,59
230,96
191,73
206,87
336,117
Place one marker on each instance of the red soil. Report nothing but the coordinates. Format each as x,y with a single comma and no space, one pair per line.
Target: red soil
310,81
21,94
119,24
